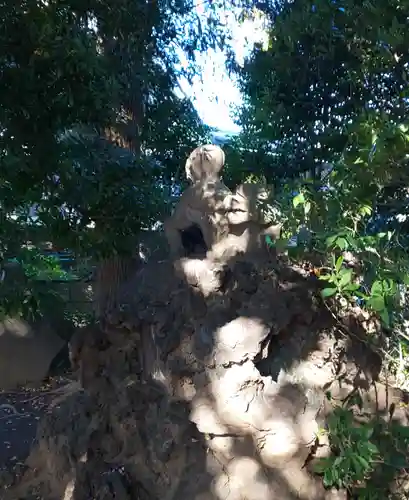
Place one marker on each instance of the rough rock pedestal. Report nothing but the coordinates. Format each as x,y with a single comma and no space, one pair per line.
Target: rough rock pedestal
185,391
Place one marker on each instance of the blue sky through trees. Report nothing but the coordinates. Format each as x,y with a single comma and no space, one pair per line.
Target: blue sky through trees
214,93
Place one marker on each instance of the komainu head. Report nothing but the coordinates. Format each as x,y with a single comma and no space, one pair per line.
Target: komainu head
204,163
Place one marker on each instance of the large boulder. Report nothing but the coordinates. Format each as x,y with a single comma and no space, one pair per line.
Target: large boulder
176,404
26,352
207,383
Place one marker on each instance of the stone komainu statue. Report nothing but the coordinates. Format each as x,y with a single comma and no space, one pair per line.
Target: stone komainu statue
199,204
209,209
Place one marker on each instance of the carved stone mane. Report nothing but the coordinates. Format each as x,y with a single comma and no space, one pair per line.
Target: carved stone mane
209,206
245,204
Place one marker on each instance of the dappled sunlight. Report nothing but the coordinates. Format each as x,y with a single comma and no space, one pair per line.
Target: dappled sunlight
69,490
16,327
244,477
204,323
215,373
208,382
170,381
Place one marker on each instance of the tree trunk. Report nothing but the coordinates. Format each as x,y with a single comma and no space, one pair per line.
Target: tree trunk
112,272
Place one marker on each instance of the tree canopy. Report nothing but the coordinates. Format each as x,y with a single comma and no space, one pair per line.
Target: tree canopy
93,137
92,130
325,118
327,63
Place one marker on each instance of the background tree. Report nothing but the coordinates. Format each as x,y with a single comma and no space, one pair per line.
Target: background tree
328,100
92,132
327,63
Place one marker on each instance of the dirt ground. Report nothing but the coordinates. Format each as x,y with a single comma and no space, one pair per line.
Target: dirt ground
20,412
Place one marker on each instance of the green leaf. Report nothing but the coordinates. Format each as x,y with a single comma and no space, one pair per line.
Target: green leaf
405,278
346,277
328,292
298,200
377,288
322,464
389,286
335,470
341,243
372,448
399,461
368,430
385,317
357,465
331,240
328,479
377,303
326,277
400,431
339,263
365,210
363,462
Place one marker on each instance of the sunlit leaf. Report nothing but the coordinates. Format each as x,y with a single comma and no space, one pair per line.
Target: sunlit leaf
346,277
377,288
377,303
341,243
339,263
298,200
328,292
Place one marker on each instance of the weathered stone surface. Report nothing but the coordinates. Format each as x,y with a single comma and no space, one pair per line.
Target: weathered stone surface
222,216
208,384
26,352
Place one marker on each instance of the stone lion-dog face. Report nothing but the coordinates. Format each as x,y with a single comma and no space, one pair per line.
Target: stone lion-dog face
205,163
201,204
245,204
